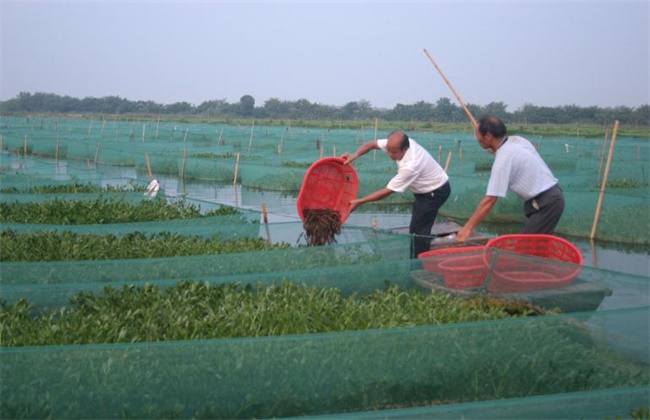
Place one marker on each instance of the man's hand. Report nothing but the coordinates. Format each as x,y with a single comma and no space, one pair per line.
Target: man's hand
463,234
348,157
354,204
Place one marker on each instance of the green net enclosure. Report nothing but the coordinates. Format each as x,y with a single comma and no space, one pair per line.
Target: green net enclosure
275,158
565,357
567,341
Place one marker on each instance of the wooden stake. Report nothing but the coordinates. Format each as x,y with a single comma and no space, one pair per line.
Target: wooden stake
234,182
266,222
90,128
603,185
25,146
375,128
146,158
281,145
469,114
58,139
99,145
448,161
250,141
184,160
264,213
439,152
102,129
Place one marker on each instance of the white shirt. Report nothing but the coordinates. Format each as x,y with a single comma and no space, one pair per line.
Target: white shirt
417,170
518,167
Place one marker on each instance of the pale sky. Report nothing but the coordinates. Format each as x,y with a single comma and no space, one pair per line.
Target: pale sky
545,53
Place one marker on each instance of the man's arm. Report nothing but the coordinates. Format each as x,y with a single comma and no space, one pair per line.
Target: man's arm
375,196
362,150
484,208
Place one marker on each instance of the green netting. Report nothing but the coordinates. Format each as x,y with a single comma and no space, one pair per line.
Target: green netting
565,356
589,361
275,158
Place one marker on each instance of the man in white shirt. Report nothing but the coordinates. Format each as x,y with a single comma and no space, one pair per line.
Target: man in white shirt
418,171
517,167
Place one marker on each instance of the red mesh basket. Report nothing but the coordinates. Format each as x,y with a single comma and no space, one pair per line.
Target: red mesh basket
464,272
328,185
514,273
432,260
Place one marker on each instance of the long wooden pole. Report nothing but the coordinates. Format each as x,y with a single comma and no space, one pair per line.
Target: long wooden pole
469,114
603,185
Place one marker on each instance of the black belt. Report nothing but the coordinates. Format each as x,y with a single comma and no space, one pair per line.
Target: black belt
432,191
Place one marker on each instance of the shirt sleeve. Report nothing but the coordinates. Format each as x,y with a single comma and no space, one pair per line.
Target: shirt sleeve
499,178
403,180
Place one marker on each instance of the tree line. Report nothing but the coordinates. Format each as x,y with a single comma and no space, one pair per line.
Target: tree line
443,111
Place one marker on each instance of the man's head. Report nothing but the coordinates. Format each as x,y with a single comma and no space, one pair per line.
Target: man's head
397,145
490,132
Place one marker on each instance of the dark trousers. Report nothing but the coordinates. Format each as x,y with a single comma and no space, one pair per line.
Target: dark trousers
425,210
544,211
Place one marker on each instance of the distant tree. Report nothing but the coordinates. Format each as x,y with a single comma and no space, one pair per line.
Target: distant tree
246,105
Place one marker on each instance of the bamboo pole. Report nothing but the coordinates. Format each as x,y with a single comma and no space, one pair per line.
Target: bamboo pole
439,152
184,162
101,132
280,148
146,158
250,141
603,185
448,160
90,128
265,217
157,128
58,140
375,128
469,114
234,181
99,145
143,131
25,146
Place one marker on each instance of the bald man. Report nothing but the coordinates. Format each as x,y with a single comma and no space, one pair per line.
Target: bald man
417,171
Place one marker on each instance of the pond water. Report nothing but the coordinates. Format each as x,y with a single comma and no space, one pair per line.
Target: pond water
281,208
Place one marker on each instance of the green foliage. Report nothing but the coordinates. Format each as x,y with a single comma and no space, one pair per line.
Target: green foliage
74,188
102,211
70,246
194,310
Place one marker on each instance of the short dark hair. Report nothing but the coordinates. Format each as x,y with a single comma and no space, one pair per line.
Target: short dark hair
404,139
493,125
